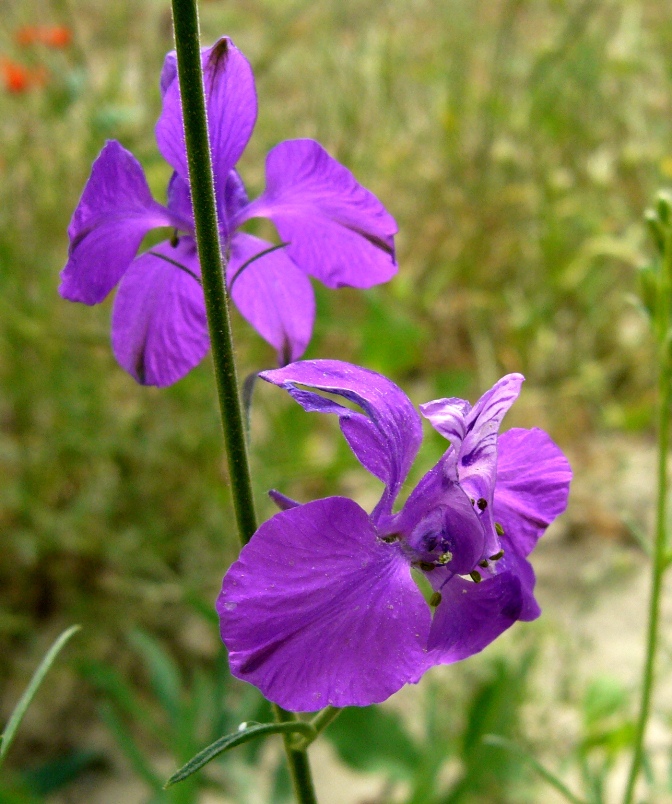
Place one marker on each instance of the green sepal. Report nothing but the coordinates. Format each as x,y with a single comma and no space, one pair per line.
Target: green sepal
245,733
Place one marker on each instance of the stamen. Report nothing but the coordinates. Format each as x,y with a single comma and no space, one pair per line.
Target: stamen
445,558
174,239
435,599
482,504
483,563
425,566
475,576
497,556
499,529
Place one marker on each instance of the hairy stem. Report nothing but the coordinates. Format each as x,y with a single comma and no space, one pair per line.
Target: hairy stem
190,73
210,257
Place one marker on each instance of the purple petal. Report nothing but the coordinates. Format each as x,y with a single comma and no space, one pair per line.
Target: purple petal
317,611
168,71
533,478
231,104
473,435
338,231
438,517
471,615
385,437
515,563
159,328
273,295
179,200
283,502
115,212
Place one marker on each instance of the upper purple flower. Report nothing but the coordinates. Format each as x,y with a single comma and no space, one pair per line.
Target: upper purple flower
321,607
330,226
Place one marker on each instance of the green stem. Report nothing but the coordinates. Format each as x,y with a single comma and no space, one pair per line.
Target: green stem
324,718
660,560
190,73
319,723
297,757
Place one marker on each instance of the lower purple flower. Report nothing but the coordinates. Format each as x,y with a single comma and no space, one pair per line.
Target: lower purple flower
322,608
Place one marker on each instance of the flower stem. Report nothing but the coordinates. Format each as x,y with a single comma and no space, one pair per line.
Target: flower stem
190,73
304,790
660,559
319,723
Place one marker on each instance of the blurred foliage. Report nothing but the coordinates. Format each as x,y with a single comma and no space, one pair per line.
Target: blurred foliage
377,739
516,142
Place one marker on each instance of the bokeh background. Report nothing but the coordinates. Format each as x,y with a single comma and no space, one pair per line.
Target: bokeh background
517,143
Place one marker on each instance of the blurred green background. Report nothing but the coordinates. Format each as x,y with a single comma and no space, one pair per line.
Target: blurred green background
517,143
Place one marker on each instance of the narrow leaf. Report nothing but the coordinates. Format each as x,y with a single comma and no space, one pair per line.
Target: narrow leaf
244,734
38,677
551,778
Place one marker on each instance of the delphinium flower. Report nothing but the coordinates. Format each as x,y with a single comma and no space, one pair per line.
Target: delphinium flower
330,227
322,607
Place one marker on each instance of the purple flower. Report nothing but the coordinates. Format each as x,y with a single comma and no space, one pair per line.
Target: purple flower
322,608
330,226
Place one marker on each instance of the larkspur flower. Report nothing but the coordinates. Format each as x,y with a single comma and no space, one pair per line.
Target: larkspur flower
321,607
330,227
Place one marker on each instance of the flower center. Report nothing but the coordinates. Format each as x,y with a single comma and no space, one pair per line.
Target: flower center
431,543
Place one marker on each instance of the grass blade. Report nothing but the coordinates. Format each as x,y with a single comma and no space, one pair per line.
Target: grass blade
20,709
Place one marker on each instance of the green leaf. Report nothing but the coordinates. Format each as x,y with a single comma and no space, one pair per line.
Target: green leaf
370,738
20,709
244,734
548,776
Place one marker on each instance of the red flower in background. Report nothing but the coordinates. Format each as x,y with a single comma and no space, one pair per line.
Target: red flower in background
17,78
56,36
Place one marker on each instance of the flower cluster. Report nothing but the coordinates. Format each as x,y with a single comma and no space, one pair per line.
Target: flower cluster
330,227
322,607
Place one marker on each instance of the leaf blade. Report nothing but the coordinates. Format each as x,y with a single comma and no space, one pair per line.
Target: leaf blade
239,737
34,684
